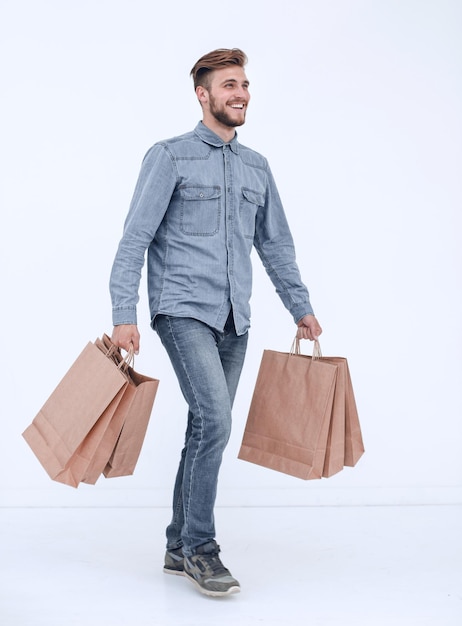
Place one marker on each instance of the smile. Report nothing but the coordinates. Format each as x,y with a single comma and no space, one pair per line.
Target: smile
239,106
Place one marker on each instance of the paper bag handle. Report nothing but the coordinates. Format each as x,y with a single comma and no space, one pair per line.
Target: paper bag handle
123,362
128,360
295,349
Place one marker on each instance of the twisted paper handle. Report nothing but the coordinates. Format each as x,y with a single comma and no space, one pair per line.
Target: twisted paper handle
128,360
114,353
295,348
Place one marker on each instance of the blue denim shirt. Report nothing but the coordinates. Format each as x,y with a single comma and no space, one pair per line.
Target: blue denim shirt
199,206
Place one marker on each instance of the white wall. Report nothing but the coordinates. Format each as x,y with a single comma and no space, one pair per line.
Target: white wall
357,105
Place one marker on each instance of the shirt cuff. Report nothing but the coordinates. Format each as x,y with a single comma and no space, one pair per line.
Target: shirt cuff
300,310
124,315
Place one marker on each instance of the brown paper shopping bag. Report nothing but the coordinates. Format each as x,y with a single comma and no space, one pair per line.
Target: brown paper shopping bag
289,418
106,443
141,394
341,430
354,445
68,428
344,445
118,452
335,449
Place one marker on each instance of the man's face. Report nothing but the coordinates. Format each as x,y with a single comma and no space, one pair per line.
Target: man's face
229,96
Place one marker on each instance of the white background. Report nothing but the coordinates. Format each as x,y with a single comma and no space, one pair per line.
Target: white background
357,105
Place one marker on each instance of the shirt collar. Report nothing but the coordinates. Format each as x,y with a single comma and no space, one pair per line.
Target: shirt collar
208,136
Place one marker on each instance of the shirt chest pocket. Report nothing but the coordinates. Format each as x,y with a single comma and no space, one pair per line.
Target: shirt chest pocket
250,202
200,210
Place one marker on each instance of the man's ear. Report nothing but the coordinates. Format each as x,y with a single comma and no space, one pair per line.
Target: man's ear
202,94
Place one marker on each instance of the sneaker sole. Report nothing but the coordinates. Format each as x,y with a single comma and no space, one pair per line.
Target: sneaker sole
208,592
174,572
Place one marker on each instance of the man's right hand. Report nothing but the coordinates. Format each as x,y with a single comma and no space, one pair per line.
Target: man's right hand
125,336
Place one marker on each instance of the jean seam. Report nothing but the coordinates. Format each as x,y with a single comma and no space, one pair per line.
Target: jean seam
186,504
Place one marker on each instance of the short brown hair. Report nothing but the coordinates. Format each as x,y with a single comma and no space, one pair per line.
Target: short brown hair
216,60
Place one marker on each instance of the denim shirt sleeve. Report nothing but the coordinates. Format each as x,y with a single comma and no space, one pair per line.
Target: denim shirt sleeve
274,244
150,201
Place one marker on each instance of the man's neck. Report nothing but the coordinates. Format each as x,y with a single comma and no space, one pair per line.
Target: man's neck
224,132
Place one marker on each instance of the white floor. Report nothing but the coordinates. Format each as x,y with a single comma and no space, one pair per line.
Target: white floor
311,565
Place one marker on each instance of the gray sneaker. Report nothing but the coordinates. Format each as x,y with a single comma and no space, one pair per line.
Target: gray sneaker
173,563
205,570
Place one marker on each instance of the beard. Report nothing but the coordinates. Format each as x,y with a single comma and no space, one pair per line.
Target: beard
222,116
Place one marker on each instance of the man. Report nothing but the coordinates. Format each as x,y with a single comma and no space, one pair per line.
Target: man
201,202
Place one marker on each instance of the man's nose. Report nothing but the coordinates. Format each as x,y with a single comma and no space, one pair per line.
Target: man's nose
243,93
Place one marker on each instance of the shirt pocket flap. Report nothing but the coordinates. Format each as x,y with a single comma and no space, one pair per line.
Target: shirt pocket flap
254,197
200,193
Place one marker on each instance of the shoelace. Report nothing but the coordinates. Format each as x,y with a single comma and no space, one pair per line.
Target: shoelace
215,565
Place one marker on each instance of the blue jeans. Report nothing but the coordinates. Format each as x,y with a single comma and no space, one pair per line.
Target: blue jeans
208,365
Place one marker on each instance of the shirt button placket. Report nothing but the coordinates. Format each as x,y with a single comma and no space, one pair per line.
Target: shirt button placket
229,217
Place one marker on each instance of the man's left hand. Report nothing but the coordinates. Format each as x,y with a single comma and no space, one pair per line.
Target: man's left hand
308,328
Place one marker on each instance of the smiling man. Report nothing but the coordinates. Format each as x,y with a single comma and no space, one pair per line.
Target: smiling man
224,98
202,201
